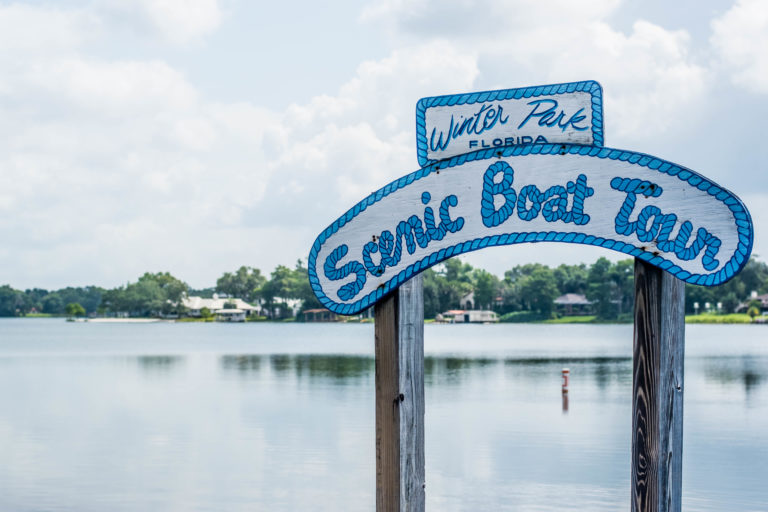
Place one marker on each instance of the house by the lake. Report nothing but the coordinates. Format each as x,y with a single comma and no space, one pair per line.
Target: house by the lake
225,309
573,304
320,315
466,316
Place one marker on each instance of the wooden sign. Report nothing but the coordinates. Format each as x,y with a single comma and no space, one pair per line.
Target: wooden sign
447,126
629,202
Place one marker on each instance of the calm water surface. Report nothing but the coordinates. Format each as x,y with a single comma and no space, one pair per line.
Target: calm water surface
217,417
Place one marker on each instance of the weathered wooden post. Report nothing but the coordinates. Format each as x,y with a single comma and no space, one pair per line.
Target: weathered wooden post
399,353
518,166
657,390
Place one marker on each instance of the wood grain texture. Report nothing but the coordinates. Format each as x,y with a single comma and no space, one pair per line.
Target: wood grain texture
399,350
657,390
387,405
411,358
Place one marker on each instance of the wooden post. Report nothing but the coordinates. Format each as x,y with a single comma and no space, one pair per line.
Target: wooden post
657,390
400,399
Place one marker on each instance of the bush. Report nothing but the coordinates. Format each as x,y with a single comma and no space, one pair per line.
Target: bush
74,309
733,318
524,316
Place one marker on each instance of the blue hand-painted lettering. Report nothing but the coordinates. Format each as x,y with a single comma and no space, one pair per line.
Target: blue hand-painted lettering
410,232
653,225
481,121
551,203
549,116
349,290
507,141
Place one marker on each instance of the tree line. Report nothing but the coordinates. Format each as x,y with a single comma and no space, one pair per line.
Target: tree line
156,294
526,292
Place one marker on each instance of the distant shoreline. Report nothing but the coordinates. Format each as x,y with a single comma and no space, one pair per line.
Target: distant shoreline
583,320
127,320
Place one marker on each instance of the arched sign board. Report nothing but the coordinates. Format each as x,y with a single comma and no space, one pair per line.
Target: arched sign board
629,202
448,126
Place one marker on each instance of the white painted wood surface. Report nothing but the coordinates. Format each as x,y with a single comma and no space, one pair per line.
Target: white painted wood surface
452,125
422,194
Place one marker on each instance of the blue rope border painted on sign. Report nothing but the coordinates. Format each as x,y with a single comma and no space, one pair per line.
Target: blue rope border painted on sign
589,86
740,213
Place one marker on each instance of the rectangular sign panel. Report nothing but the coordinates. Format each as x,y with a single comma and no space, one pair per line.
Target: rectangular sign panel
447,126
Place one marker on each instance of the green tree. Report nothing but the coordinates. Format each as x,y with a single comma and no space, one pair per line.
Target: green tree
53,304
512,295
145,297
539,290
11,301
151,295
302,289
600,289
173,289
486,288
431,293
32,300
456,271
281,285
571,278
623,276
730,302
245,283
74,309
611,287
88,296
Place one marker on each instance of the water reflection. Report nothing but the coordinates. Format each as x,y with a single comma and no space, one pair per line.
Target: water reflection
438,371
332,367
453,370
746,371
604,371
244,364
159,365
224,424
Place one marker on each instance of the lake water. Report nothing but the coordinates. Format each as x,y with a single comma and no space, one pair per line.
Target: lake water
280,417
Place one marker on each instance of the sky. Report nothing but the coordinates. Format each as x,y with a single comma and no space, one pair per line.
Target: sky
196,136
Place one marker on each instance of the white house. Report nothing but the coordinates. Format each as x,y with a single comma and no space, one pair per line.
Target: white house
230,315
217,305
463,316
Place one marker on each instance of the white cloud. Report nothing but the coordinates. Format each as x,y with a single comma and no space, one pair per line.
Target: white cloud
483,18
740,39
32,30
176,21
113,166
333,151
648,75
110,166
648,78
113,86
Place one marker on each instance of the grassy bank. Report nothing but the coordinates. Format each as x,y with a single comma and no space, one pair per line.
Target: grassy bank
734,318
584,319
517,317
709,318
